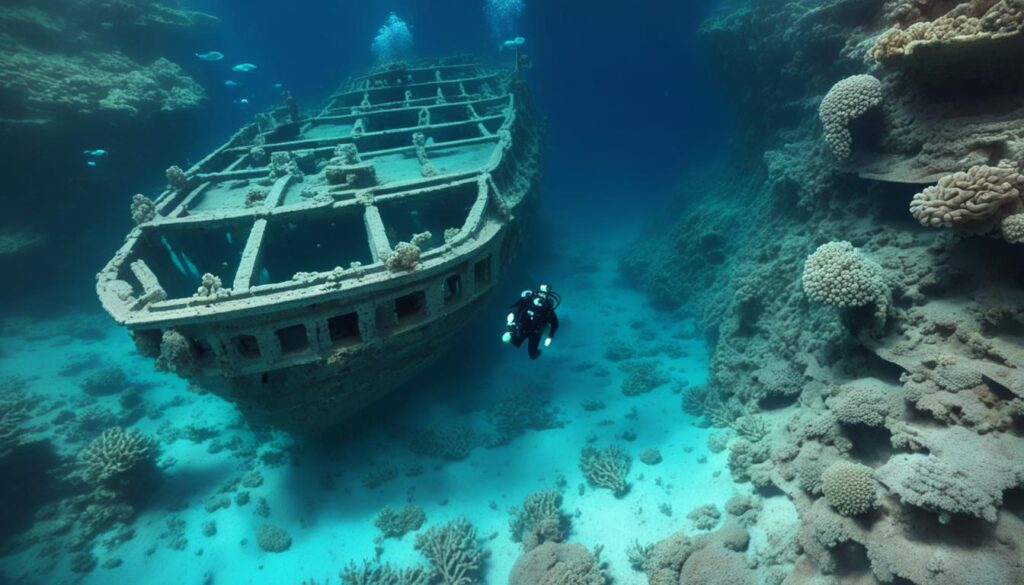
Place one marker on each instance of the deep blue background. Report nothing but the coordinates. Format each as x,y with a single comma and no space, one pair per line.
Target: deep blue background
625,88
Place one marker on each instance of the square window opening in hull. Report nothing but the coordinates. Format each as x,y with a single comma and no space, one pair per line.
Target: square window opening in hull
452,288
411,307
293,339
344,329
246,346
482,272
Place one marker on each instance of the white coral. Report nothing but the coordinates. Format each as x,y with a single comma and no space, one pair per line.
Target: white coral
142,209
973,199
1013,228
848,100
839,275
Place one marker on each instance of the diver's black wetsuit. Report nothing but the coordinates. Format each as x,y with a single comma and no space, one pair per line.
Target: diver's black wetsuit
530,320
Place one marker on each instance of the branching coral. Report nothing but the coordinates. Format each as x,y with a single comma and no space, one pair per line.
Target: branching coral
838,274
848,100
606,468
518,411
705,517
119,459
452,442
394,524
849,488
453,551
977,199
694,399
540,520
375,573
642,376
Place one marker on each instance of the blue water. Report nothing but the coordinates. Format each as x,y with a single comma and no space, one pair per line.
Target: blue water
629,104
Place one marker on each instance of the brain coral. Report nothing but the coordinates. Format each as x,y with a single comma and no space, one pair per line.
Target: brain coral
849,488
557,564
273,538
976,198
839,275
1013,228
848,100
118,456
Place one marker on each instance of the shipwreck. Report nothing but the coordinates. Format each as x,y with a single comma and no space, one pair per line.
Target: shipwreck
311,265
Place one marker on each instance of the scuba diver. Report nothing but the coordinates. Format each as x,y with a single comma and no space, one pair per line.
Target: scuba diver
530,315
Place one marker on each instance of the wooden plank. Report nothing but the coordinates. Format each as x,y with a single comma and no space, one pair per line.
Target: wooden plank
251,256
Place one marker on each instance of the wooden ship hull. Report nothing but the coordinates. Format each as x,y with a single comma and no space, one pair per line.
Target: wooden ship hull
309,267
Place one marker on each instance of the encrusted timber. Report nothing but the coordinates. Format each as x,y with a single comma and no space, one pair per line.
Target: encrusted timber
433,108
358,94
268,295
375,327
413,70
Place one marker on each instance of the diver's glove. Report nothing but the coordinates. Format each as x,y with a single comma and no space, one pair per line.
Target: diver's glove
507,337
547,342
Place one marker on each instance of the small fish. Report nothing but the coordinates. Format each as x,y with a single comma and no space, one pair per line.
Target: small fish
211,56
244,67
231,83
513,43
242,101
91,163
97,152
278,85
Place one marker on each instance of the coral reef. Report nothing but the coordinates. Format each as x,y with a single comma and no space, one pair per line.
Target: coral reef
369,573
521,410
540,520
848,100
453,551
848,487
394,524
211,287
891,423
977,199
606,468
142,209
121,460
273,538
838,274
557,564
406,255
